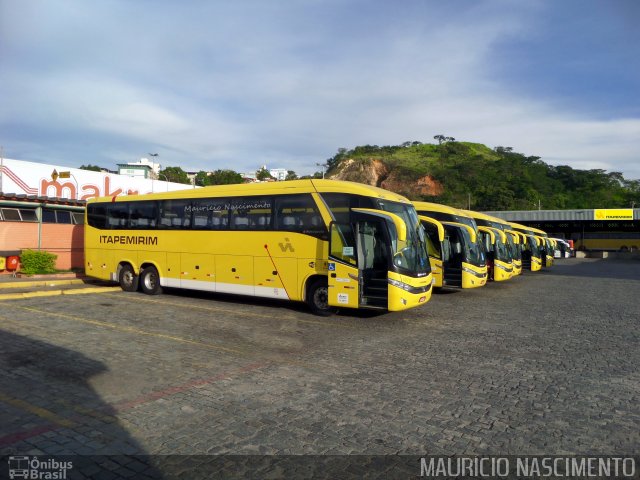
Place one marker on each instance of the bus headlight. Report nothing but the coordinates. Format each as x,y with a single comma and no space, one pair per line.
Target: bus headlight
408,288
502,267
473,272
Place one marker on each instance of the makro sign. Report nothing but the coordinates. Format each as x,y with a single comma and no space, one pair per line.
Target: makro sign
30,178
613,214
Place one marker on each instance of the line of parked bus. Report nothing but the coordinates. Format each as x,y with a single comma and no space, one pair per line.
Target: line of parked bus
330,244
468,248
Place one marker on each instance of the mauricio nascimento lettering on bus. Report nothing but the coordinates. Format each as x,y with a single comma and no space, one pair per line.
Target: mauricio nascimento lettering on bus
528,467
218,207
129,239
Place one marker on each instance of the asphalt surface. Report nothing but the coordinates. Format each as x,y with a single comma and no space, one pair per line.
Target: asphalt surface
545,364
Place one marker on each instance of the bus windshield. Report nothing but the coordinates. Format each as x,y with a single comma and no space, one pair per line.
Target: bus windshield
473,252
533,245
513,248
413,253
502,252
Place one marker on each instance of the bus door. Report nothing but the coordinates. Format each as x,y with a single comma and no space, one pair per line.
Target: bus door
360,255
516,250
531,258
488,238
503,258
453,254
435,238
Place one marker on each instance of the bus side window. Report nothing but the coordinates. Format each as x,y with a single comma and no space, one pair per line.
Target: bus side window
298,213
118,215
175,214
143,215
251,213
97,215
240,221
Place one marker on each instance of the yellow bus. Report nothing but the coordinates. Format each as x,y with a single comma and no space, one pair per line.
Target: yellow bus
530,246
463,259
504,257
435,239
547,247
327,243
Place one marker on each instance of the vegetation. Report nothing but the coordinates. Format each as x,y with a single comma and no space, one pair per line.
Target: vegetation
174,174
263,174
219,177
498,179
37,262
93,168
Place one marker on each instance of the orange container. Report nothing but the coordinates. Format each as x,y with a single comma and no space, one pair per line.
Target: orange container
12,263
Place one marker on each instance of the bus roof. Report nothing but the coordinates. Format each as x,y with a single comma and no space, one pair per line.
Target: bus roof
266,188
438,207
537,230
485,216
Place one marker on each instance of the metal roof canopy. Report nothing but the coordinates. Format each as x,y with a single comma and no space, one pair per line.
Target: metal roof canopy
552,215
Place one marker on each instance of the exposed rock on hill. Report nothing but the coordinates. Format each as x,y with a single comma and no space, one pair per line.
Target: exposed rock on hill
376,173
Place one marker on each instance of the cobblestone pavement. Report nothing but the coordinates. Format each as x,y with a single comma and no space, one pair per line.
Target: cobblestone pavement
546,363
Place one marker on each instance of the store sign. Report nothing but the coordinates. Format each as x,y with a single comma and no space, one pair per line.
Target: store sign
613,214
30,178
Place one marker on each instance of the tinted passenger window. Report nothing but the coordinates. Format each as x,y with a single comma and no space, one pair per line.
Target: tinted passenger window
143,215
118,215
97,215
250,213
210,214
298,213
175,214
341,204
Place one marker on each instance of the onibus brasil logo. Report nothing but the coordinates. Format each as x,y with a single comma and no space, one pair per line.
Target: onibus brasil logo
36,469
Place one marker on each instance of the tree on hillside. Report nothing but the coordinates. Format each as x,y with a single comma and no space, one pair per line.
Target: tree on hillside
93,168
174,174
443,139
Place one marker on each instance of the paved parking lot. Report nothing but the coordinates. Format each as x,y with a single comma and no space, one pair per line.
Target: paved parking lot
544,364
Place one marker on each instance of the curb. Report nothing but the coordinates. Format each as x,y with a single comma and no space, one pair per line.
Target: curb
41,283
51,293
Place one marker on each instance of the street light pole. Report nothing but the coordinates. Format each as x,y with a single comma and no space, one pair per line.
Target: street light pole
165,178
155,155
323,165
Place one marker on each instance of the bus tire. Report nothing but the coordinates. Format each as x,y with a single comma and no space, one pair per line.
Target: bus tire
128,279
318,298
150,281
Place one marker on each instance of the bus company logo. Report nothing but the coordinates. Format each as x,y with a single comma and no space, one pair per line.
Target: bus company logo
35,469
128,240
286,246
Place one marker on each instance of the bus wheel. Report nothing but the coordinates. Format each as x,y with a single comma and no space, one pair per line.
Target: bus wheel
318,298
150,281
128,278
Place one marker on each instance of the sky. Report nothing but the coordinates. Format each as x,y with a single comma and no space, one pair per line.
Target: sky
213,84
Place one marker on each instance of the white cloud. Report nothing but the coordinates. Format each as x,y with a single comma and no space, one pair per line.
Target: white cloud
217,85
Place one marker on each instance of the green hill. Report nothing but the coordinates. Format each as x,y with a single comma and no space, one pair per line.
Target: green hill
492,179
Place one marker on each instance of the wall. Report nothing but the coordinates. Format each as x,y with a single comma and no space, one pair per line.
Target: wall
66,241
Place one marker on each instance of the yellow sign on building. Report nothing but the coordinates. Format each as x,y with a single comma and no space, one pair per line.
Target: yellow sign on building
613,214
